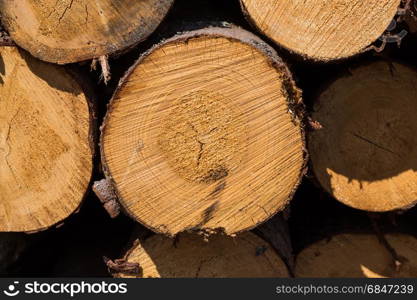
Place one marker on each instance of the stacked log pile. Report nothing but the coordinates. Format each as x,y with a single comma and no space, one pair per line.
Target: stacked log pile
209,144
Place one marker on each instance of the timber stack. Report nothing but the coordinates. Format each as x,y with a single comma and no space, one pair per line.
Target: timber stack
211,134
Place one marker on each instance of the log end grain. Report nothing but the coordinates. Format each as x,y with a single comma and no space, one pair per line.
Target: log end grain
322,30
358,256
203,134
45,151
190,256
365,154
70,31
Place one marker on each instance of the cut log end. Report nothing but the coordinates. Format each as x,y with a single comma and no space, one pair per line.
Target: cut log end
358,256
70,31
322,29
365,154
45,154
190,256
212,144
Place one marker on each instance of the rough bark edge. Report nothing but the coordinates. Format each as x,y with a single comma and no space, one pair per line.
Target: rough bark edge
294,99
303,56
117,267
85,86
133,38
106,194
311,172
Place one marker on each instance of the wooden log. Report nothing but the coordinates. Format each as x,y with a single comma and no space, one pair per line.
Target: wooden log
190,256
46,137
322,30
365,154
203,134
358,255
70,31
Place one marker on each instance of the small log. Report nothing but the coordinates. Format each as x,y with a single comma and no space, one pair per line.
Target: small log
190,256
365,154
358,255
203,134
322,30
70,31
46,142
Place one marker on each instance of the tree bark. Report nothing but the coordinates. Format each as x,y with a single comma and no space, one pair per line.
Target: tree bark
70,31
46,142
322,30
204,134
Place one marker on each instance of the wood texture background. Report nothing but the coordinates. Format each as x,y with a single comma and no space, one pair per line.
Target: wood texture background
77,247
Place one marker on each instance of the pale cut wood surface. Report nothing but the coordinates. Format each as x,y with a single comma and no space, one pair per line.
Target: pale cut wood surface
67,31
200,135
45,154
366,154
358,256
220,257
322,29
